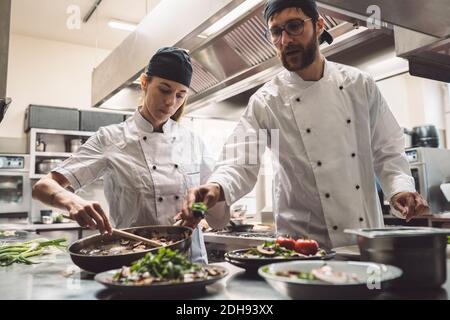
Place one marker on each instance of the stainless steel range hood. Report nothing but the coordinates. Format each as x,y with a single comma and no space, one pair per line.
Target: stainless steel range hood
422,31
237,59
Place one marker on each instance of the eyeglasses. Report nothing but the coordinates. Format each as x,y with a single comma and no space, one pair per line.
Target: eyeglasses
293,27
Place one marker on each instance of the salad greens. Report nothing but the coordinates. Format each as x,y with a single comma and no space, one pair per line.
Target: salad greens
166,264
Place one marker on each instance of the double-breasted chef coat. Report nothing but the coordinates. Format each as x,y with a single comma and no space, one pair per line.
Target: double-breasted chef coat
146,174
329,139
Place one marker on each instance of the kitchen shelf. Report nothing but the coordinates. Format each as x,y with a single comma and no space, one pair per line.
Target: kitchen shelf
55,141
53,154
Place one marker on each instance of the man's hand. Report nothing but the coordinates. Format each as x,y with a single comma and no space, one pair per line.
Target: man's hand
410,204
209,194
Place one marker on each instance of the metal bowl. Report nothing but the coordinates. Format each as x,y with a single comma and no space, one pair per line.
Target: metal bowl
373,279
103,263
420,252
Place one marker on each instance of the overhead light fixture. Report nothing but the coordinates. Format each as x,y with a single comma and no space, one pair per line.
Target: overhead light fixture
122,25
233,15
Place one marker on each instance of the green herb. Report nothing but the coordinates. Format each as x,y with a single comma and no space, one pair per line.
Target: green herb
199,206
167,264
19,252
448,239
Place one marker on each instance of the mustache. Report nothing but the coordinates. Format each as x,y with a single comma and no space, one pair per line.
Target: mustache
293,48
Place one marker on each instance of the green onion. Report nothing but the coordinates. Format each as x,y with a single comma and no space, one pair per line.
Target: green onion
19,252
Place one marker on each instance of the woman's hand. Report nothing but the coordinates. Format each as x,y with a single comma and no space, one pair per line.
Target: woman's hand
88,214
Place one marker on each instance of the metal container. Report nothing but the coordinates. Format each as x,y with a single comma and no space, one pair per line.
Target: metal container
419,252
47,165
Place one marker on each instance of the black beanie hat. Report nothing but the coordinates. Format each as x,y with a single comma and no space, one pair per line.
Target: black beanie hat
309,7
172,64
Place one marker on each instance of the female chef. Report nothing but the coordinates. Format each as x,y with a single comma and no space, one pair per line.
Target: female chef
147,162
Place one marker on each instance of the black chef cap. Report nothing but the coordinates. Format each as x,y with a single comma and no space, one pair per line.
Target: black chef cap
172,64
309,7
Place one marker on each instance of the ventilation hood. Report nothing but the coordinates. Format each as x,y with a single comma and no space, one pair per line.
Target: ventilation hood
237,58
421,31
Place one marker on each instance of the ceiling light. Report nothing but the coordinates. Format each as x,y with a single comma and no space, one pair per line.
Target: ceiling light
122,25
233,15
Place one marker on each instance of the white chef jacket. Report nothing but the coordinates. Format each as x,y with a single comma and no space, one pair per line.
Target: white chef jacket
146,174
334,135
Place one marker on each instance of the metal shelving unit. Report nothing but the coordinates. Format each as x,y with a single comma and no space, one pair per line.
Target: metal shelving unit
58,147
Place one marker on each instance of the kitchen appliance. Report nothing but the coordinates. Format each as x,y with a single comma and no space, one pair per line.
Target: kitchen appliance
47,165
430,168
15,190
425,136
419,252
48,117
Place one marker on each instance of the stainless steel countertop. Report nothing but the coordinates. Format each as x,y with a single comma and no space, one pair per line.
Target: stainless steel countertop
57,278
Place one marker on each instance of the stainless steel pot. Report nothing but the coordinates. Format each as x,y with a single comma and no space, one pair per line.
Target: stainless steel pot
419,252
47,165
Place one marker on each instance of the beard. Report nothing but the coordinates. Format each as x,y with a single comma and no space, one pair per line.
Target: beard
299,57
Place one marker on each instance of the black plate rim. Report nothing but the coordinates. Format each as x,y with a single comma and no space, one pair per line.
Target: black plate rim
104,278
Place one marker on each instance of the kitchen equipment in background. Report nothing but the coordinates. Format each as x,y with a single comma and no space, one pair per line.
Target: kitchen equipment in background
47,165
15,191
407,134
46,216
93,120
46,117
420,252
430,167
75,144
40,146
425,136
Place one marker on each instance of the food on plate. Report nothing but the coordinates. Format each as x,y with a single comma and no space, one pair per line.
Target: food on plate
20,252
123,246
280,248
323,274
166,266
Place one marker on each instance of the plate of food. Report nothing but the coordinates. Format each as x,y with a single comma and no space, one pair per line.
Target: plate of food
282,249
163,272
329,279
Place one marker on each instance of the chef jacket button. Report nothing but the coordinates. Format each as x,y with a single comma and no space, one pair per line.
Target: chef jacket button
357,187
319,163
308,130
361,219
177,197
145,138
341,87
298,99
327,195
154,167
335,227
160,199
176,166
353,155
349,121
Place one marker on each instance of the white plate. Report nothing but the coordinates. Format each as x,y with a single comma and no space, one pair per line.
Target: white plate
373,278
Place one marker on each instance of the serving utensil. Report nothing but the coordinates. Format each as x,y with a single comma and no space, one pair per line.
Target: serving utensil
131,236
